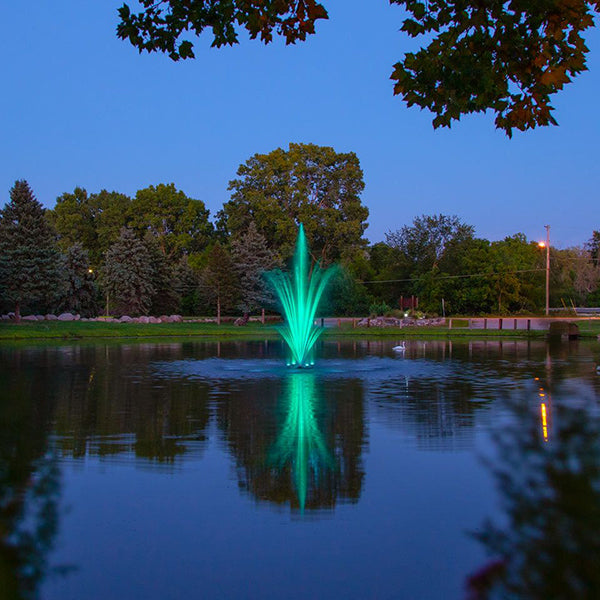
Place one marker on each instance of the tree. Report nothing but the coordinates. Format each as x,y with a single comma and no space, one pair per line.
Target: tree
186,287
517,266
423,244
219,281
160,25
593,246
165,299
507,57
308,184
180,224
80,292
29,257
94,220
252,257
127,275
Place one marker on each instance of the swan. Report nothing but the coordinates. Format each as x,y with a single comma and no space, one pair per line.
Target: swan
400,348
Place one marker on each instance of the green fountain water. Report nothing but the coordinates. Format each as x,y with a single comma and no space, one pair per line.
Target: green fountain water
299,294
300,445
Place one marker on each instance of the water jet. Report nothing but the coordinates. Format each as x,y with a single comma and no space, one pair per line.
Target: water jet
299,294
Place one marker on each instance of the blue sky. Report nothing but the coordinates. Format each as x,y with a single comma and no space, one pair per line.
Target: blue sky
81,108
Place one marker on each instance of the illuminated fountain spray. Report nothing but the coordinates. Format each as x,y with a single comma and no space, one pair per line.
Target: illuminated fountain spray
299,294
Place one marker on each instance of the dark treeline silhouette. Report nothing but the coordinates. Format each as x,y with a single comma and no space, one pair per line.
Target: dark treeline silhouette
159,253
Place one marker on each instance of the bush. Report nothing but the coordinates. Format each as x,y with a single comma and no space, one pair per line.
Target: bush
376,310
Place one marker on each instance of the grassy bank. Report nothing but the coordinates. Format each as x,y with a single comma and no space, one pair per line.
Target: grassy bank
76,330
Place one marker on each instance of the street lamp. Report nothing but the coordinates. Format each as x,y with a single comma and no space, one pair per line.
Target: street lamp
546,245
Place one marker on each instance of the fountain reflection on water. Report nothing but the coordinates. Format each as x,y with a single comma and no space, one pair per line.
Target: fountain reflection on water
299,295
300,442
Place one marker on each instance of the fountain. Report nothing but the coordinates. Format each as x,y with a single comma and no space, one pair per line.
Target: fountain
299,294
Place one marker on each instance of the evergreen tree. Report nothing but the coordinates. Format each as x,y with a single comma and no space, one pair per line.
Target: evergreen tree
252,258
80,293
165,299
29,257
219,280
128,274
187,285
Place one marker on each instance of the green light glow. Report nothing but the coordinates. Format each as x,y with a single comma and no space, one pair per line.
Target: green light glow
300,442
299,295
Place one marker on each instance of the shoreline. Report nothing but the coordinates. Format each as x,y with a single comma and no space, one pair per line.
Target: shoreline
77,330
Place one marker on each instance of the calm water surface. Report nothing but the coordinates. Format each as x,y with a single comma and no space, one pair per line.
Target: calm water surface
210,470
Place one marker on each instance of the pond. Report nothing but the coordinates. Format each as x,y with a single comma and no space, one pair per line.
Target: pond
210,470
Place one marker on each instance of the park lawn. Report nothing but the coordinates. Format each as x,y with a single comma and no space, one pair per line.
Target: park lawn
78,330
32,330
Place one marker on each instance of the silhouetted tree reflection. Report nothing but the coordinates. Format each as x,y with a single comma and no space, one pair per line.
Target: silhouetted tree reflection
29,483
294,446
548,544
110,402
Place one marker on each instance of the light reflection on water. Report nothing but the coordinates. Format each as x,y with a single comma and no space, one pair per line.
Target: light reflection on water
373,457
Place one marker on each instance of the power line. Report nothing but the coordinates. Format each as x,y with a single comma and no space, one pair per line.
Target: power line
458,276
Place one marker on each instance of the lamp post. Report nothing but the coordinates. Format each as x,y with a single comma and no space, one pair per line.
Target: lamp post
546,245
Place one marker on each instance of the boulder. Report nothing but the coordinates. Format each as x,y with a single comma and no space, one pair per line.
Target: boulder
144,320
51,317
125,319
164,319
66,317
176,319
39,317
29,318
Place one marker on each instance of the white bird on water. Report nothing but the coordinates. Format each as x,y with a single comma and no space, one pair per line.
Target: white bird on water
400,348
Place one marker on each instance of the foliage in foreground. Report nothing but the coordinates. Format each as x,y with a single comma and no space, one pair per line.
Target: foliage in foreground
474,57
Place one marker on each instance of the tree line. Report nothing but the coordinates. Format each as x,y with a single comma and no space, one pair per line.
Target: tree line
159,252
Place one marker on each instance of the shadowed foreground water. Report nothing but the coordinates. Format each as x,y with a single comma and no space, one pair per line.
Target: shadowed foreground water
210,470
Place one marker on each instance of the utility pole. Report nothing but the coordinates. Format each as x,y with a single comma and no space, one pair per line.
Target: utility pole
547,269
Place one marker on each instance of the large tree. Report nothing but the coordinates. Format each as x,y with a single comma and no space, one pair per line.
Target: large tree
252,258
94,220
309,184
180,224
424,244
219,282
80,294
128,275
29,256
507,56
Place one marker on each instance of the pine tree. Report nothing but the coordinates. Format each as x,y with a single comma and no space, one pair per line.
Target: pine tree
219,280
127,276
252,258
29,256
165,299
81,293
186,286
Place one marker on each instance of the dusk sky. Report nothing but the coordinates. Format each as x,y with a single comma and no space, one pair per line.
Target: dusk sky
80,107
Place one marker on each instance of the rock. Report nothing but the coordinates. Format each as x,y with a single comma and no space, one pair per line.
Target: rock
176,319
153,320
165,319
66,317
29,318
39,317
51,317
125,319
77,317
144,320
